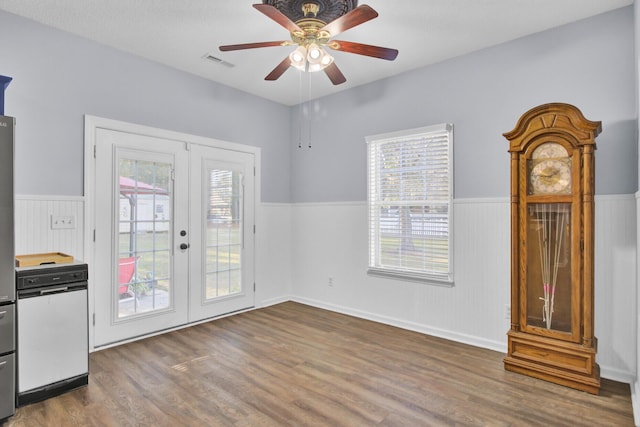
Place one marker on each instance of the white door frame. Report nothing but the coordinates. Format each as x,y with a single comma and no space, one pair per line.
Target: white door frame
91,124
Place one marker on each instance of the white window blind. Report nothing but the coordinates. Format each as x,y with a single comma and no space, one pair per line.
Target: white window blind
410,180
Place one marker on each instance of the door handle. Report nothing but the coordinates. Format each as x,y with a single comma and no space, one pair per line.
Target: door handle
184,246
54,290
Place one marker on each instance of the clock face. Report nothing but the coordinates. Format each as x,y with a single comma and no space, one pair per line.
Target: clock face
551,177
550,170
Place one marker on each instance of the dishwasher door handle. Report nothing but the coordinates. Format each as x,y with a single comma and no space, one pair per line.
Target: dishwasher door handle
54,290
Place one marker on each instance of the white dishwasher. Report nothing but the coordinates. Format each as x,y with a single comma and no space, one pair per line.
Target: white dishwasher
53,330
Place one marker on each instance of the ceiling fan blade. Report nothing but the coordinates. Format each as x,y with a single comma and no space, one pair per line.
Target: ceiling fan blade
229,47
364,49
357,16
277,16
335,75
279,70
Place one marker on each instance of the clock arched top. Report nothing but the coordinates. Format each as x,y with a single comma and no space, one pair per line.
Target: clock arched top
561,137
549,119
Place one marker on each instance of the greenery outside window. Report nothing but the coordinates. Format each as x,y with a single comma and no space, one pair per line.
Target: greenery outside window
410,193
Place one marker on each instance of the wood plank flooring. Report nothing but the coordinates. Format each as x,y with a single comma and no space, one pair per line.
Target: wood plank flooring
295,365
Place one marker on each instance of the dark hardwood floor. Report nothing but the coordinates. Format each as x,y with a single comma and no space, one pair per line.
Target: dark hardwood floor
296,365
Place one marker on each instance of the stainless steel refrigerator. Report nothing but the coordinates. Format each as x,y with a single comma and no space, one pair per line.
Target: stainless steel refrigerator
7,271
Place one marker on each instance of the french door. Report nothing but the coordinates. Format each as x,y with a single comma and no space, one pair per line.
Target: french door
173,233
222,219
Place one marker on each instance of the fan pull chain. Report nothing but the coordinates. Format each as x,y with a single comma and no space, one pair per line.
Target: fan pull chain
304,106
300,115
309,115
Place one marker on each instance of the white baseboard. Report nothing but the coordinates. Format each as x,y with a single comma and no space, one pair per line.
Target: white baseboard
635,393
605,372
436,332
273,301
617,375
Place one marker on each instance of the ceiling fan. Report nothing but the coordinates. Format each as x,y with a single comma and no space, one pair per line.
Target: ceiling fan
312,35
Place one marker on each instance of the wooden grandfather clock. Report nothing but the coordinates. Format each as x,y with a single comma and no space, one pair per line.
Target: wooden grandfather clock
552,247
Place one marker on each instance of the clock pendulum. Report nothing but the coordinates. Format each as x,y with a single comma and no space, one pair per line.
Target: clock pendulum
552,221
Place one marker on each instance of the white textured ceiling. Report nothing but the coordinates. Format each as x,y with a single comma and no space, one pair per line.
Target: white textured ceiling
179,33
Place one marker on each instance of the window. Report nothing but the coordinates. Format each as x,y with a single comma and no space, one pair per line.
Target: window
410,179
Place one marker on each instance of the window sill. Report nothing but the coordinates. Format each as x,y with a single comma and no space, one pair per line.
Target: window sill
411,277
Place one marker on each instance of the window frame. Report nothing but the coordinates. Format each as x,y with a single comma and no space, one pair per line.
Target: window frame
374,203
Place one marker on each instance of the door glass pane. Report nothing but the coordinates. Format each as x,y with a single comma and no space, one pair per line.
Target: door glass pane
223,220
144,242
549,266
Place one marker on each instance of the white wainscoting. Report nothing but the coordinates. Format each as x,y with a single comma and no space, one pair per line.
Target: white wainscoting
34,234
300,246
615,286
33,230
273,253
330,240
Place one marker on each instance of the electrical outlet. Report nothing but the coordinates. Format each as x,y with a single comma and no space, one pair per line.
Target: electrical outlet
330,281
507,311
59,222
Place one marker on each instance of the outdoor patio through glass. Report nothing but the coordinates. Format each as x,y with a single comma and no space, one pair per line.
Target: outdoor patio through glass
143,237
223,233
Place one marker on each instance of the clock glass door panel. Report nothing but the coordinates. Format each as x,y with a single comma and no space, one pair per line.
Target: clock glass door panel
548,267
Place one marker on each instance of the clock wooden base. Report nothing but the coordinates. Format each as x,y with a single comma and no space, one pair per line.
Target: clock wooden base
565,363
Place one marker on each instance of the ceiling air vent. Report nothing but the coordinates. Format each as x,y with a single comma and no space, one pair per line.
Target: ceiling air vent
217,60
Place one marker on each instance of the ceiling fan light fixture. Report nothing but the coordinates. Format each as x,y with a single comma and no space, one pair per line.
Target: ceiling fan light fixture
326,60
317,58
323,62
314,53
299,58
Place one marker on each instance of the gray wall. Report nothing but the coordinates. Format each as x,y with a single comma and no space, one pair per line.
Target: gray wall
59,77
589,64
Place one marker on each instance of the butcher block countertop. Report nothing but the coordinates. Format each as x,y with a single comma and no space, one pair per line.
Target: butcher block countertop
43,259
